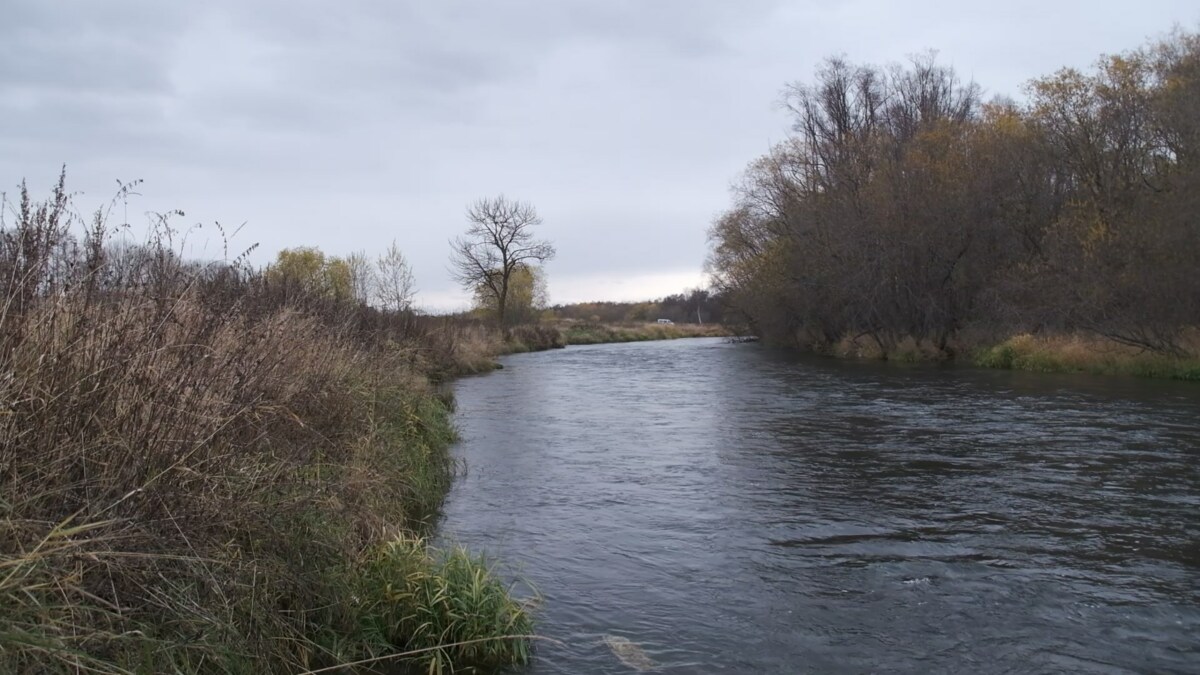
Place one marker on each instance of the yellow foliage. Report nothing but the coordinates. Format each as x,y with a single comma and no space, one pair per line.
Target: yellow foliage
309,268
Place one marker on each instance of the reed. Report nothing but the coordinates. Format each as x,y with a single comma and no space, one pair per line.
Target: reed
198,468
446,606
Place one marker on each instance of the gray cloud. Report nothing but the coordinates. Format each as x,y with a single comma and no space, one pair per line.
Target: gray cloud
348,125
85,47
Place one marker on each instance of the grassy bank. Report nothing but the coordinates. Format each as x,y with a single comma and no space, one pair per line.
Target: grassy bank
1074,353
201,472
1080,354
583,333
480,342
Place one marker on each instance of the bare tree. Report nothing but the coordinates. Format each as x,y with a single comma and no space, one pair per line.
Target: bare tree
498,242
360,276
393,280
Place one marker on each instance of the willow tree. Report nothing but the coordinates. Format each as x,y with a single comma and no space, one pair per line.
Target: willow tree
527,296
309,270
499,241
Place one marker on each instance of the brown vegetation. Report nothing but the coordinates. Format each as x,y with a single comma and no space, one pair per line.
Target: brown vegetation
907,216
206,469
697,305
588,333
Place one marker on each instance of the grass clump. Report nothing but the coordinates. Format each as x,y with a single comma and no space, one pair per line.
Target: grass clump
445,607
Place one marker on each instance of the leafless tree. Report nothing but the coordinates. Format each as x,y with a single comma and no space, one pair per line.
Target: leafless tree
361,277
498,242
393,280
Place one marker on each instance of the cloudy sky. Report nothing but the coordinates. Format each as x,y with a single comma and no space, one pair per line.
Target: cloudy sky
345,125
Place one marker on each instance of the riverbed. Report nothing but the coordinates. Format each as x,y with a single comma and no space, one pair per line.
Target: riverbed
729,508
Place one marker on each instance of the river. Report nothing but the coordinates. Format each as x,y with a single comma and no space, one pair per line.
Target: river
735,509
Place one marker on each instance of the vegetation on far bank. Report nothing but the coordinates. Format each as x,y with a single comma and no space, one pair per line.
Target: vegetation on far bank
694,306
587,333
208,469
1078,354
906,218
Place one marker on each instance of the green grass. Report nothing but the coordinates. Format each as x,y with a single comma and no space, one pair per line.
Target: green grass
446,606
1002,356
411,434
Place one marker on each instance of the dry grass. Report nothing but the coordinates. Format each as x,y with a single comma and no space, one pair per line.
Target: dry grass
586,333
1092,354
196,468
1042,353
456,346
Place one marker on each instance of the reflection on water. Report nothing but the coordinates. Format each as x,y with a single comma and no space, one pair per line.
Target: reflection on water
728,508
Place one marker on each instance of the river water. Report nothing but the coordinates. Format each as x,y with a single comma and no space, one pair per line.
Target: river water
734,509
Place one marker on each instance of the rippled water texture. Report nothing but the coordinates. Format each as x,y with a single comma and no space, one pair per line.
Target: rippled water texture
728,508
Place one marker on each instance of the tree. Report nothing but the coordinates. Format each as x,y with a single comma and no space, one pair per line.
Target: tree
362,276
527,295
498,242
308,270
1120,257
903,208
393,280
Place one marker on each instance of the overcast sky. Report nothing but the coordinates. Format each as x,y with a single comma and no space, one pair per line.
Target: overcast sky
345,125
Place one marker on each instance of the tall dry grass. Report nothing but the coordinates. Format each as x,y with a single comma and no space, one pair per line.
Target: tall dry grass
197,470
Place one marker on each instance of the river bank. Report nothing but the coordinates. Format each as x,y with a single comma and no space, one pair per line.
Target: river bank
589,333
1079,354
205,472
248,482
565,333
1070,353
1074,353
249,499
247,495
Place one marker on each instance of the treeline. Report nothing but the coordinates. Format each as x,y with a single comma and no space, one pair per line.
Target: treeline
903,207
697,305
212,468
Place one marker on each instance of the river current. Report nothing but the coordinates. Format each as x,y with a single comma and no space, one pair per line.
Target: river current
728,508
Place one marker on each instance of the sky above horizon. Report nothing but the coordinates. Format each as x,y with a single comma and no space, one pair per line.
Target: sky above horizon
348,125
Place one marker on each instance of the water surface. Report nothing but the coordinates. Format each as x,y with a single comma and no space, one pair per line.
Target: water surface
735,509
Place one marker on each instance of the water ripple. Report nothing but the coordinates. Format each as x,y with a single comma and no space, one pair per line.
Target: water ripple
730,509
